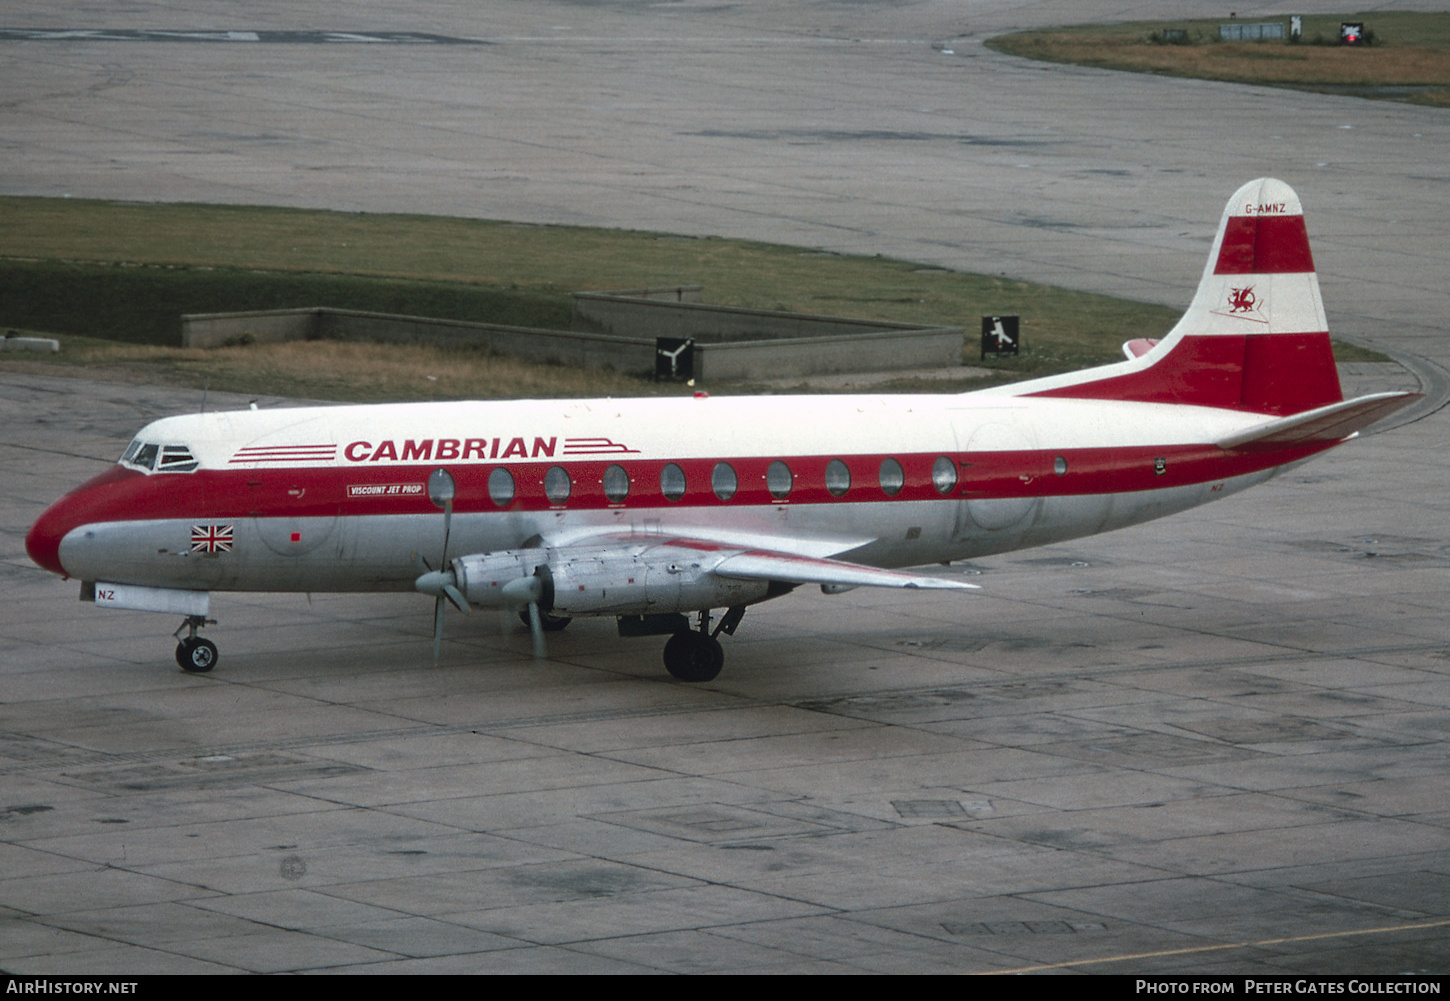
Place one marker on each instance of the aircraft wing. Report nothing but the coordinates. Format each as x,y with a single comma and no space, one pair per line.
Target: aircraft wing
761,564
755,556
1331,423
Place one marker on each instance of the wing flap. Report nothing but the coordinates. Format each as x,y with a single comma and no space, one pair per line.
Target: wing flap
1331,423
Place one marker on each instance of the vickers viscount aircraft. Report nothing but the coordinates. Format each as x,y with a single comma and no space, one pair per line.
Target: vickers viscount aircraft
654,511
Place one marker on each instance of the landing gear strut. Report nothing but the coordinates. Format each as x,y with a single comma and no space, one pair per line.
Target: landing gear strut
692,655
194,654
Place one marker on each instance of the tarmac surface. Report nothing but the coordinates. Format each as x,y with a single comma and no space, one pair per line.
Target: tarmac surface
1215,743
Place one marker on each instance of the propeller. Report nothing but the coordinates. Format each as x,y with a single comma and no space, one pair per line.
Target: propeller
442,583
529,591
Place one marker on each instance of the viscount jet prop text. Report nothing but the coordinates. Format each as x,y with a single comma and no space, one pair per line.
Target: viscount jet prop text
661,512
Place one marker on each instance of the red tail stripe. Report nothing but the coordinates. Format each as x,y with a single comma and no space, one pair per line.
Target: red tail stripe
1264,245
1269,374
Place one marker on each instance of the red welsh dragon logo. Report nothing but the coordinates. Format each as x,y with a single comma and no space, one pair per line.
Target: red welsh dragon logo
1242,300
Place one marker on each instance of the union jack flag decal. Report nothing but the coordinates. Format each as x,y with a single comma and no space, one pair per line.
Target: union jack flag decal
211,538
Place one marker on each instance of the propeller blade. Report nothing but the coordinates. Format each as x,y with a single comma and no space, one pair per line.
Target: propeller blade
440,583
437,629
526,592
456,596
536,628
447,529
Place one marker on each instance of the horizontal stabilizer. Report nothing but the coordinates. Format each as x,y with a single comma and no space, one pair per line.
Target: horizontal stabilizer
1138,347
761,565
1331,423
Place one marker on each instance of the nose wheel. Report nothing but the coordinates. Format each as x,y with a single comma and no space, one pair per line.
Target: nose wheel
194,654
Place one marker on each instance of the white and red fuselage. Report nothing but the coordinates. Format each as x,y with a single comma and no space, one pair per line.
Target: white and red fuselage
334,498
642,506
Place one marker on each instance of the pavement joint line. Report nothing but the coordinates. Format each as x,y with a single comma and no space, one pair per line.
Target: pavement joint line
1434,384
817,703
1289,940
90,758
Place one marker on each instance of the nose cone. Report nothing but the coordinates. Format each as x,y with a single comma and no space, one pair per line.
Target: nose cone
85,504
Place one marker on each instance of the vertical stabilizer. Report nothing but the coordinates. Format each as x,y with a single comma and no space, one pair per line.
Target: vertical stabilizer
1255,337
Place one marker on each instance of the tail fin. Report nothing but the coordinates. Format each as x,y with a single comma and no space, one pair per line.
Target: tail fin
1255,337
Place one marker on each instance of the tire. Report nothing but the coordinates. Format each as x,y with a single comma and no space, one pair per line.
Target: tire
196,656
694,657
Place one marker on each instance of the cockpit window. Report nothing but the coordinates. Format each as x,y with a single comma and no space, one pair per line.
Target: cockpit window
161,458
145,457
176,459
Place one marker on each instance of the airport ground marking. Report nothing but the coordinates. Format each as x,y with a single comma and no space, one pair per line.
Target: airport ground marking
1214,948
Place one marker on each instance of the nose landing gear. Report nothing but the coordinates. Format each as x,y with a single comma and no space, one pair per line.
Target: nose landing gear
194,654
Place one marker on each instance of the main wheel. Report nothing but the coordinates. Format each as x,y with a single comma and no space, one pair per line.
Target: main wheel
692,656
549,623
196,655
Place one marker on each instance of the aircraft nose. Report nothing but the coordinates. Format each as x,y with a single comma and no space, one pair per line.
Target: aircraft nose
83,505
43,540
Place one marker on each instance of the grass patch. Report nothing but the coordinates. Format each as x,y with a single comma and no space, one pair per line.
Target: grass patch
1409,60
379,373
331,370
116,266
144,303
112,279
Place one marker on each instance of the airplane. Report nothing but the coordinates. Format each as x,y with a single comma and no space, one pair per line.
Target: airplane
654,511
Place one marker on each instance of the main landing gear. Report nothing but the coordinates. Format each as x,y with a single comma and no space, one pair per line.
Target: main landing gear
696,655
194,654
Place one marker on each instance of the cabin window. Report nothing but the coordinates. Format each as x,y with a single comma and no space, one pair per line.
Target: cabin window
892,478
724,481
778,480
1059,466
944,475
672,482
616,484
501,486
557,485
838,478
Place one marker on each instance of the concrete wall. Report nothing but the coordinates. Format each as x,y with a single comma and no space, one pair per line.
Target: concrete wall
765,344
622,313
880,351
666,293
623,354
214,330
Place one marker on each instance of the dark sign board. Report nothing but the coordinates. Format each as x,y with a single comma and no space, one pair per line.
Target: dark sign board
999,335
674,358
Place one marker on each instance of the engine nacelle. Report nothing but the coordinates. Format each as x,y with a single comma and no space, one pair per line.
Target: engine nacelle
651,582
481,577
607,581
